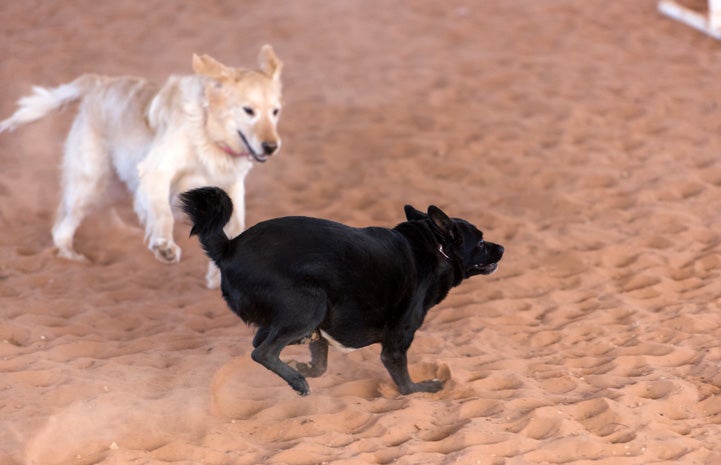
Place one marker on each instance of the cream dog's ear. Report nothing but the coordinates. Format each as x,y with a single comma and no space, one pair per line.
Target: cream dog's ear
269,62
206,65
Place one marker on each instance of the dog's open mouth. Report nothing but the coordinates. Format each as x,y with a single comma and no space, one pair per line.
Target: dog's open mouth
250,153
485,269
259,157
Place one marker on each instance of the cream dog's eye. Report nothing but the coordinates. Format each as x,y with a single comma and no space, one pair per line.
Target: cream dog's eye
249,111
276,111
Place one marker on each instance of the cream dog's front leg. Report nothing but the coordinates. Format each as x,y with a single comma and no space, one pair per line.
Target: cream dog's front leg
152,204
235,226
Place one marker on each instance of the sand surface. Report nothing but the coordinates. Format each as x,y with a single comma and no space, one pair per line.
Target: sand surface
585,136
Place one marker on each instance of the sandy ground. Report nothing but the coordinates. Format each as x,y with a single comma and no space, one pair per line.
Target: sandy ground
584,136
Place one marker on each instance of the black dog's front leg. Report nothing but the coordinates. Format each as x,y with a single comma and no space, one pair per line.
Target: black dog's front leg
260,336
396,362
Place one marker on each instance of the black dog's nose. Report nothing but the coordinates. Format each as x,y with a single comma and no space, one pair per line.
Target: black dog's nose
269,147
498,250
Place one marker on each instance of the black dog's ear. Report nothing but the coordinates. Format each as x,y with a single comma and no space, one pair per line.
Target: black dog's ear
413,214
440,221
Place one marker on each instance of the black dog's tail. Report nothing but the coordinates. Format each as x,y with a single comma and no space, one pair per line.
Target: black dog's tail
209,208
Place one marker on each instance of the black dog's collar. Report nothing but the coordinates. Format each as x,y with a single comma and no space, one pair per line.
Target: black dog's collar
443,252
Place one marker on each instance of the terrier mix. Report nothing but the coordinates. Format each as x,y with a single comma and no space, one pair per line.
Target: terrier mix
301,279
160,140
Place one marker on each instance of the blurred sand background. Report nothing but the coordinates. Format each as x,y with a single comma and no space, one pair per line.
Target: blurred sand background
583,135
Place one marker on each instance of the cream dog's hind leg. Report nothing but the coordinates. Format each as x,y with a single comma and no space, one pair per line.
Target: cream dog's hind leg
86,173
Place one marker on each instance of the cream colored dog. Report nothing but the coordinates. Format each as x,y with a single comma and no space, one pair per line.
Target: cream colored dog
159,141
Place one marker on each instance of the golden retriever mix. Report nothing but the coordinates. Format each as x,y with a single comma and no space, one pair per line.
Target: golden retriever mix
160,140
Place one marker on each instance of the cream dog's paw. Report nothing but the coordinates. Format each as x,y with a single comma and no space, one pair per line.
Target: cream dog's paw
165,251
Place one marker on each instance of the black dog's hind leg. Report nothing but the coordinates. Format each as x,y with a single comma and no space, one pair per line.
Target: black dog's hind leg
318,359
396,362
268,354
290,327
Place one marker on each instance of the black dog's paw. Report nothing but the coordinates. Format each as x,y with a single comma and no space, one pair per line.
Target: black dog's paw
300,385
429,385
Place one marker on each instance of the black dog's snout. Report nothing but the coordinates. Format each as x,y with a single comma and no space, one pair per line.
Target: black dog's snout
497,250
269,147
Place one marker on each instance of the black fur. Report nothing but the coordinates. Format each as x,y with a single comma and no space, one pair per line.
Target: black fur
209,210
298,278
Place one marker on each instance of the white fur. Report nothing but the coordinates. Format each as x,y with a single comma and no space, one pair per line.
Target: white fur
336,344
159,141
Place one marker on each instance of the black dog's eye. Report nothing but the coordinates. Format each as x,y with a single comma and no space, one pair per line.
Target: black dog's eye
249,111
481,243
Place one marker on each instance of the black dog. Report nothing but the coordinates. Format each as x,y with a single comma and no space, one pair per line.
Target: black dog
301,279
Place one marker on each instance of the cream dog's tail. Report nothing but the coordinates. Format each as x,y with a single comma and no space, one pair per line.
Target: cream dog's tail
43,100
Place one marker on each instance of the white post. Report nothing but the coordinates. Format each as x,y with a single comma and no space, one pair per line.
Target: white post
710,23
714,15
